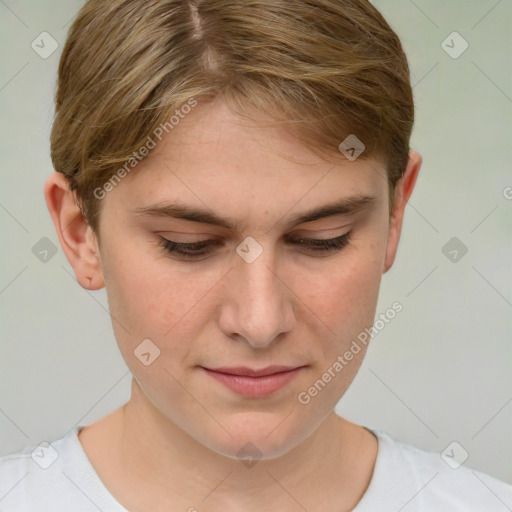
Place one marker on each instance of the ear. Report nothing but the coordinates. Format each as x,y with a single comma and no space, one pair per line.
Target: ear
76,237
402,194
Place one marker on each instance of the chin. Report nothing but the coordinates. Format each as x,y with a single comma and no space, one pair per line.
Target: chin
258,436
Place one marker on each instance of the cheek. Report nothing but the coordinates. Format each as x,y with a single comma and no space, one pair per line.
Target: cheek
344,293
343,299
150,295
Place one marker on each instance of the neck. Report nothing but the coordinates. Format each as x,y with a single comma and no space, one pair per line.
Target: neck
160,465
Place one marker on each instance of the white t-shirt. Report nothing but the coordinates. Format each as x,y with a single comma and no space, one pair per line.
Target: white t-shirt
58,477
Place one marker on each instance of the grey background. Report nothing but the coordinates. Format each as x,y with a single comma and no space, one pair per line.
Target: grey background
440,371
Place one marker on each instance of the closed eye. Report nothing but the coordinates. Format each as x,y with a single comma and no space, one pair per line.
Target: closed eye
313,246
322,245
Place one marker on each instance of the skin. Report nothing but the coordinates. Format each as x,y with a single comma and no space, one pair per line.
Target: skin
174,445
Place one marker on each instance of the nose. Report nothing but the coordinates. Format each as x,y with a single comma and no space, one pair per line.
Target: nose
258,305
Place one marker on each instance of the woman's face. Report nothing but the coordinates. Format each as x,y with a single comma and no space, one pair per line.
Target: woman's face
256,293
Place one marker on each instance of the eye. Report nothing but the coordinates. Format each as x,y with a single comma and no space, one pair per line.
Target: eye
194,250
322,246
200,249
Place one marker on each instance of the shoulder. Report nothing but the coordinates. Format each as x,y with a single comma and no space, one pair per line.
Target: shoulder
422,480
32,476
52,477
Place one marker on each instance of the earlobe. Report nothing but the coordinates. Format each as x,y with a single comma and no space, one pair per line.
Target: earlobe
76,237
403,191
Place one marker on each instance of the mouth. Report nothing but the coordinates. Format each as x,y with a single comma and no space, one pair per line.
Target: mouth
254,383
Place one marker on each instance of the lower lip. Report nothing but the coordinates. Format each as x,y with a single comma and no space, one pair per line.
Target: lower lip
255,387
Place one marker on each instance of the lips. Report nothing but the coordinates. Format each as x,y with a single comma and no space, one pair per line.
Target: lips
252,382
249,372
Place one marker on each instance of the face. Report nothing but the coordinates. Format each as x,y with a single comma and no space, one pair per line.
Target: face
270,284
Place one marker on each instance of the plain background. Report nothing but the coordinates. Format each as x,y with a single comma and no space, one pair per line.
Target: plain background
440,371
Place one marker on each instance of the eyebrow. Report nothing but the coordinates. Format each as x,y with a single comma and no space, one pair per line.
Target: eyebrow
345,206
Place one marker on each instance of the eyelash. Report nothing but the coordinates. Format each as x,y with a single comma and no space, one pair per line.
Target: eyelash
315,246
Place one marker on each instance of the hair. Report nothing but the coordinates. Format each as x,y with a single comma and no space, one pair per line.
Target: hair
328,68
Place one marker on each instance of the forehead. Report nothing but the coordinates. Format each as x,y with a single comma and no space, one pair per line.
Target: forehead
223,135
215,160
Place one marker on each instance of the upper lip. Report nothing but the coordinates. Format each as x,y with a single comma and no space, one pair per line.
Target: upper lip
251,372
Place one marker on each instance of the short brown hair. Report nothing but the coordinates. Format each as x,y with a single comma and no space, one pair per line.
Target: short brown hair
330,68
